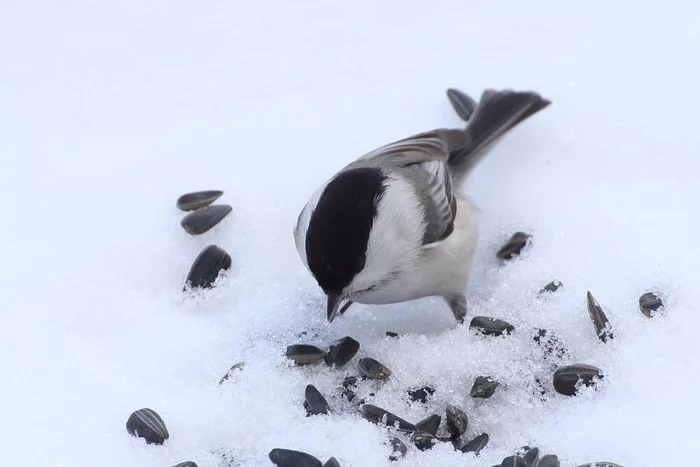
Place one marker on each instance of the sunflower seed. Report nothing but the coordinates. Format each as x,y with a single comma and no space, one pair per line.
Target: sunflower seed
377,415
186,464
291,458
207,266
483,387
551,287
463,104
429,424
566,378
550,460
531,456
602,326
513,461
476,444
601,464
372,369
513,246
456,420
304,354
204,219
423,441
197,199
490,326
649,304
314,402
391,334
147,424
332,462
342,352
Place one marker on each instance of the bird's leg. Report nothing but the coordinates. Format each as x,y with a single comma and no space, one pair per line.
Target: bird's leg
345,307
458,305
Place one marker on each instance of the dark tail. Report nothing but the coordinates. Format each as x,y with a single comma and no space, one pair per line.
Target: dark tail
496,113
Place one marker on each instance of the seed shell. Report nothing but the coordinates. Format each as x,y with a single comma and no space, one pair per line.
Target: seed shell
600,321
147,424
566,378
372,369
342,352
304,354
490,326
513,246
291,458
430,424
204,219
207,266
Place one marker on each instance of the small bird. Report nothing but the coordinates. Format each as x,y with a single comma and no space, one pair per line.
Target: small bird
390,227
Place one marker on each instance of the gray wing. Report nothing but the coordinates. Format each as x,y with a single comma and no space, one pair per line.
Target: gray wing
423,147
433,186
422,160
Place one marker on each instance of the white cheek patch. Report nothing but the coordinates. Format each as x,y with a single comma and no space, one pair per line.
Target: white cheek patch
303,223
395,239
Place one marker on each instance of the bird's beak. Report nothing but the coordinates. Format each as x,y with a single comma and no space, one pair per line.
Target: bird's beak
333,304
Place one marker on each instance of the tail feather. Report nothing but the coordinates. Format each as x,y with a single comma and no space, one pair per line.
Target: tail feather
496,113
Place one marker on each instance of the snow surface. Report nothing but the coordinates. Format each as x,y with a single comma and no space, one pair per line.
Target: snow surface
110,110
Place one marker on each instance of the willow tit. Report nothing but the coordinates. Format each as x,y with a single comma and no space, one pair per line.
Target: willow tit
390,226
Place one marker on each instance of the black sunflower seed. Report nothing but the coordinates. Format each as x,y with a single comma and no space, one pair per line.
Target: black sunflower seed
204,219
197,199
376,415
342,352
551,287
290,458
476,444
332,462
490,326
483,387
550,460
600,321
649,304
567,377
456,420
430,424
304,354
391,334
207,266
531,456
513,246
513,461
600,464
147,424
314,402
186,464
372,369
423,441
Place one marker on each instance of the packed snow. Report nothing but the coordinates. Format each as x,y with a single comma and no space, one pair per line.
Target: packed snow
111,110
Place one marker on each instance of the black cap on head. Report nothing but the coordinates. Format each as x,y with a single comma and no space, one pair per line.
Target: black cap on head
336,239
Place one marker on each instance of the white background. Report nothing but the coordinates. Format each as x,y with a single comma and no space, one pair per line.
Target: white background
111,110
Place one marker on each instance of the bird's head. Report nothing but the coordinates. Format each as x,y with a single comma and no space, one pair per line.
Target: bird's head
358,233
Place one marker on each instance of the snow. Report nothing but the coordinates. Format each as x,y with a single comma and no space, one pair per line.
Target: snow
111,110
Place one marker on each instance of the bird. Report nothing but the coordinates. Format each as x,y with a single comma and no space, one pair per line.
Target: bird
391,226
